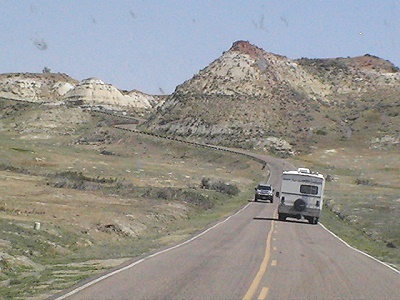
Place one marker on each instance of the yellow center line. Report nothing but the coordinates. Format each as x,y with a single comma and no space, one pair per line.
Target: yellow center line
263,294
263,267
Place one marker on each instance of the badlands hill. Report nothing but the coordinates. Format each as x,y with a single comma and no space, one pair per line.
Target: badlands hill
62,89
250,98
247,98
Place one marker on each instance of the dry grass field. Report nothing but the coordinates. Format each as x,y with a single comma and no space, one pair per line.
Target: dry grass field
102,196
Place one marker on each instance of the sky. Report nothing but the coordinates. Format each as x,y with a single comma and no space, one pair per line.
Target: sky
154,45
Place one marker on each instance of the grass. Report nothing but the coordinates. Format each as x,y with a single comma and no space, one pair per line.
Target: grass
359,239
100,203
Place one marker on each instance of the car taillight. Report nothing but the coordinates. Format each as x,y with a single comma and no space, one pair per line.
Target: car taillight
283,200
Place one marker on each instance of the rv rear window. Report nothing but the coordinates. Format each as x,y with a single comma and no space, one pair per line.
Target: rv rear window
309,189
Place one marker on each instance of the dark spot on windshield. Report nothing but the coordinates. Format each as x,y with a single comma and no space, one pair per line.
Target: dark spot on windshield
40,44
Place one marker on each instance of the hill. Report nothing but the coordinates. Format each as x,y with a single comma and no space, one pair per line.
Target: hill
250,98
61,89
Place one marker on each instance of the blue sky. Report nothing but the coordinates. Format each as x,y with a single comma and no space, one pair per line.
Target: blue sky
153,46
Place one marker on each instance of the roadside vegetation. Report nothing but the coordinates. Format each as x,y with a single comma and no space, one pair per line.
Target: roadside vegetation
77,204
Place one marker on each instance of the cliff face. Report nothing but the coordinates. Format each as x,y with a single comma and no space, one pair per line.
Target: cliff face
94,92
254,99
60,88
35,87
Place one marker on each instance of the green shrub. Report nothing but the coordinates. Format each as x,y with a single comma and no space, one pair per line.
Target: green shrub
362,181
79,181
219,186
169,193
320,132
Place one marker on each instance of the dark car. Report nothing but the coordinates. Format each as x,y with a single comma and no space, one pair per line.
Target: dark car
264,192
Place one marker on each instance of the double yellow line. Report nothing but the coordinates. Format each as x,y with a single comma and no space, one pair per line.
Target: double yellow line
263,268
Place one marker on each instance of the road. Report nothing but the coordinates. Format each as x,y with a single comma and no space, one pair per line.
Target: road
251,255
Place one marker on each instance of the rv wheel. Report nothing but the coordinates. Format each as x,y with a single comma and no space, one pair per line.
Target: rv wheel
299,205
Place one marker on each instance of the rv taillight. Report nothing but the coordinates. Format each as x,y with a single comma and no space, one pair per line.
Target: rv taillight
283,200
317,204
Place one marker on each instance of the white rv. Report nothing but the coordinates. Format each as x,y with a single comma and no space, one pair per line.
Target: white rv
301,195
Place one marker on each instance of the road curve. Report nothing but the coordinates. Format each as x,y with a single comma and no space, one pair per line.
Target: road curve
250,255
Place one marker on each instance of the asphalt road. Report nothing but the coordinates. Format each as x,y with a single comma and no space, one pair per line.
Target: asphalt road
251,255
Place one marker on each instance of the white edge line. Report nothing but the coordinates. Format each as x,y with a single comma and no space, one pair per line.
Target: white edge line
359,251
78,289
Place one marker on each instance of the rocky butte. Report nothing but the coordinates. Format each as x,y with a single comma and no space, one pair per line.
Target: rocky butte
254,99
62,89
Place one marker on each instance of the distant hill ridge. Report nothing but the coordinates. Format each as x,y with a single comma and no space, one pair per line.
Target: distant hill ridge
252,99
51,87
